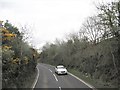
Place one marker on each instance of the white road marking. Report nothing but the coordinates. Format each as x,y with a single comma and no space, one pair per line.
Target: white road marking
60,88
50,70
55,77
78,79
36,78
82,81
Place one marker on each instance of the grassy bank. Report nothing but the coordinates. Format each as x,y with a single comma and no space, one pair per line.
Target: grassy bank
0,75
30,80
94,82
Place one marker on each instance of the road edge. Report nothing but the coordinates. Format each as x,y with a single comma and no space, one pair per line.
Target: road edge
36,79
92,87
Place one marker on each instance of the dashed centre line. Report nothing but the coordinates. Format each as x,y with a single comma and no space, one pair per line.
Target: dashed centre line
60,88
55,77
50,70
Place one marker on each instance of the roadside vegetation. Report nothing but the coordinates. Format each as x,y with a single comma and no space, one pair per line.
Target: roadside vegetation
94,51
19,59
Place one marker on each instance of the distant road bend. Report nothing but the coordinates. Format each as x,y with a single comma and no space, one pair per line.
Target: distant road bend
48,79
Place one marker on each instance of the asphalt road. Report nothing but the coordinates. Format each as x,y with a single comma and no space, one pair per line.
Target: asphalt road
49,79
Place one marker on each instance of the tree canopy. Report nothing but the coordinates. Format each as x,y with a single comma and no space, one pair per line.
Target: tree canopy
19,60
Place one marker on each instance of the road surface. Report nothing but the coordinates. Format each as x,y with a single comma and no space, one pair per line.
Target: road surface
48,79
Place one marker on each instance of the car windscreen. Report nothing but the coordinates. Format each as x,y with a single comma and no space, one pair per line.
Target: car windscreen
61,67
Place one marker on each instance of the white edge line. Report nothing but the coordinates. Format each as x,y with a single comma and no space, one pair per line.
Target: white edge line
78,79
36,79
82,81
55,77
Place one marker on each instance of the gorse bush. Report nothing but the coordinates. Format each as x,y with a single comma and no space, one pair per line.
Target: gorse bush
18,58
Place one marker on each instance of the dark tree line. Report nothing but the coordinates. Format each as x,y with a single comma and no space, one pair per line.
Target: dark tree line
18,58
94,51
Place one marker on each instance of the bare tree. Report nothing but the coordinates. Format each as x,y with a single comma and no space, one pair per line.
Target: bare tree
109,16
92,29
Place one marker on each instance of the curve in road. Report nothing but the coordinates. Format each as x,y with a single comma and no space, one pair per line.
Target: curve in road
48,79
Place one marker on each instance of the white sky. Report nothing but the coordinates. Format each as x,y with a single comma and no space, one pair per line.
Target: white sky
49,19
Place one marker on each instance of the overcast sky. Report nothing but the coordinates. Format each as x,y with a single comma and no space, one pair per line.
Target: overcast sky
48,19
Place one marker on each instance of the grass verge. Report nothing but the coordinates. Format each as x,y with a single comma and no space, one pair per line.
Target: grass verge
94,82
30,80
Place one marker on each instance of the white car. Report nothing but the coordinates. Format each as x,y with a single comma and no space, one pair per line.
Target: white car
60,69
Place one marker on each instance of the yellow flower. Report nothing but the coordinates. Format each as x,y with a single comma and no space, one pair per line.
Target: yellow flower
26,60
15,61
7,47
10,35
